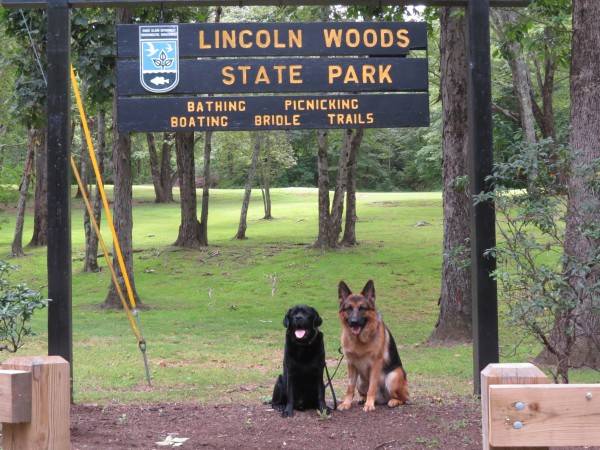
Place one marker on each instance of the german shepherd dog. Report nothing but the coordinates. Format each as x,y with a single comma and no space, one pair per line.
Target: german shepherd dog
374,366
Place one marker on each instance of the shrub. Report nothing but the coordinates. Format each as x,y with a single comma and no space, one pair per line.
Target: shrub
545,291
17,305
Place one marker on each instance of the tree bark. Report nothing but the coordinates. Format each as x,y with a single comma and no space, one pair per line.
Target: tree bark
40,214
90,263
189,229
454,320
337,205
322,240
266,188
583,208
241,232
122,206
349,237
155,169
17,244
205,189
166,173
502,19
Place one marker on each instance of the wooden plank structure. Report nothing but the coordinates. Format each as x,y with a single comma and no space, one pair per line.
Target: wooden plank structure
485,320
521,411
35,403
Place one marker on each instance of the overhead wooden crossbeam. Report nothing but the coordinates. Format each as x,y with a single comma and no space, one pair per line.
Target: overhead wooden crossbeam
142,3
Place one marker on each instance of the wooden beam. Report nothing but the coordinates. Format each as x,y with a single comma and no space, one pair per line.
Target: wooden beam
505,374
545,415
49,426
15,396
169,3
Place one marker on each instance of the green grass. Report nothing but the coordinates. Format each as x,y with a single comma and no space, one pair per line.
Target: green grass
214,330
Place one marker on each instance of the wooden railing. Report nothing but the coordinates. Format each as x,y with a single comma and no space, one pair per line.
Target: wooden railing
521,409
35,403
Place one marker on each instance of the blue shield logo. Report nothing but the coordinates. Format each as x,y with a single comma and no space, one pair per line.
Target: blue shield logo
159,57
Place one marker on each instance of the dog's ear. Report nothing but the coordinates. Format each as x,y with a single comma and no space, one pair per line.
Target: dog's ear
317,321
286,319
369,291
343,291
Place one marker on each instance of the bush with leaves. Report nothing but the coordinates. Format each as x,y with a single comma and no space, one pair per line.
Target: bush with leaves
17,305
544,289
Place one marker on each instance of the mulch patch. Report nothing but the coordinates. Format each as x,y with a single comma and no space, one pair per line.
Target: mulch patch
426,423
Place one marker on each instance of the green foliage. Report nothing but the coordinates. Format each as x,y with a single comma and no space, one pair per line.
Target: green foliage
542,288
28,103
17,305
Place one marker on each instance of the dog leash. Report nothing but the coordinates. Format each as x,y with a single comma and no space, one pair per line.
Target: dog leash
330,378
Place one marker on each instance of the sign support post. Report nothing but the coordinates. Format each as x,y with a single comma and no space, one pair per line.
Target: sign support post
483,215
60,339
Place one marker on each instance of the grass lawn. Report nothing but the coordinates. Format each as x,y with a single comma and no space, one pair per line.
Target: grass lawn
214,329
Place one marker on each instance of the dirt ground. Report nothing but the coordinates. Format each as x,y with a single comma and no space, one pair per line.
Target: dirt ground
427,423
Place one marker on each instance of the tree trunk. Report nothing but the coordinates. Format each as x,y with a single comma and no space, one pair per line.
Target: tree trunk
583,210
337,205
266,188
503,19
454,320
90,263
323,185
155,169
241,232
122,206
349,238
17,244
189,229
166,174
40,214
205,188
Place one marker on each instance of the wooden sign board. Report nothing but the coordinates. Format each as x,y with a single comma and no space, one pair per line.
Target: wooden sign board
202,40
193,61
272,112
228,76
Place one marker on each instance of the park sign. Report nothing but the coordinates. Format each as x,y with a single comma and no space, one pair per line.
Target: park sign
293,76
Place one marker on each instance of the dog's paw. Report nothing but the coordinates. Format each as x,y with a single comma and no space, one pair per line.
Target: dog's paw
369,406
395,402
287,413
345,405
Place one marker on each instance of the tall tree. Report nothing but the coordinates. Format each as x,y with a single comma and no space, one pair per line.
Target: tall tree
160,167
205,188
582,234
189,229
29,30
241,232
122,207
454,320
17,244
349,238
90,263
502,21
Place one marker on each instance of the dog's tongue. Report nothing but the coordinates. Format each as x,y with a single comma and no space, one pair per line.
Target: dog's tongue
300,333
356,330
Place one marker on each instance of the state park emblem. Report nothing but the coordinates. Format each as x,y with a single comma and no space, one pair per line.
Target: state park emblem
159,57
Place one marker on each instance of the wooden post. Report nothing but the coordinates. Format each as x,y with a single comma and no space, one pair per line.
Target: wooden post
15,396
49,427
60,339
513,373
483,215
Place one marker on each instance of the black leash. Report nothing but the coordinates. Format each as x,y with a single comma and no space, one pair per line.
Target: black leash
330,378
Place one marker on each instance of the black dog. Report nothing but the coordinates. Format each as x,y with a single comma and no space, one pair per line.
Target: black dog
301,385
